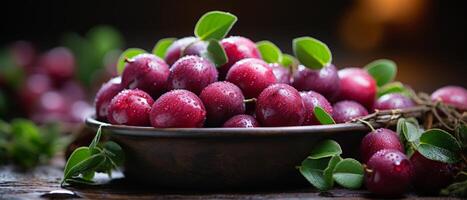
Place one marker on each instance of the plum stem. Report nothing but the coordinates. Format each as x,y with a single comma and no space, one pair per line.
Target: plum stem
367,170
367,123
249,100
128,60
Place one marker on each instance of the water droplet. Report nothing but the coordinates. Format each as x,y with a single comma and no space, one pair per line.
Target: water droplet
60,194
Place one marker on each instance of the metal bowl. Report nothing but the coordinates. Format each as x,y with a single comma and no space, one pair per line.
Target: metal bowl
215,158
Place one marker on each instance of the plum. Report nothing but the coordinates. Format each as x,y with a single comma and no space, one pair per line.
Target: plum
251,75
24,54
452,95
430,176
222,100
388,173
174,52
79,110
34,87
198,48
324,81
105,95
73,90
357,85
379,139
130,107
280,105
59,64
192,73
146,72
393,101
52,106
281,73
310,100
344,111
237,48
178,109
241,121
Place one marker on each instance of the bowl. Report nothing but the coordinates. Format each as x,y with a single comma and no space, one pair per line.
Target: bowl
223,158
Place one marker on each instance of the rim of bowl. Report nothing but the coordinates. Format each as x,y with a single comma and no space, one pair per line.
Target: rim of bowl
140,131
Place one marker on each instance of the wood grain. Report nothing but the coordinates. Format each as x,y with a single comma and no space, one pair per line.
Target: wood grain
33,184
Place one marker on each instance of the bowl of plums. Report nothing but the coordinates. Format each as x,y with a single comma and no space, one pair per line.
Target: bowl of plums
213,111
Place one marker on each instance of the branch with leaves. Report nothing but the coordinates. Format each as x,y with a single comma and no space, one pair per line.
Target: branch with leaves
84,162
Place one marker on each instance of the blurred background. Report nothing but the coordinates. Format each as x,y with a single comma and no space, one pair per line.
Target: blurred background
55,54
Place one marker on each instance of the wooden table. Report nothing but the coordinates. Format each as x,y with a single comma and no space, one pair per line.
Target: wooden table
34,184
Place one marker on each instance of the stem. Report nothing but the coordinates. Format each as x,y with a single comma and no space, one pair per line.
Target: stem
365,167
429,121
249,100
128,60
367,123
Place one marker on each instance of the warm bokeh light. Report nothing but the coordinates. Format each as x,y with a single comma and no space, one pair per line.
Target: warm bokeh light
365,25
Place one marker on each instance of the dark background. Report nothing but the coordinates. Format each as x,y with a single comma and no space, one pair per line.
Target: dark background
426,38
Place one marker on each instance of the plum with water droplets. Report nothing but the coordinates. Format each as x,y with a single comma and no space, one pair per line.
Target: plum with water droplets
452,95
251,75
236,49
222,100
393,101
178,109
312,99
388,173
280,105
130,107
105,95
344,111
357,85
192,73
175,50
241,121
281,73
146,72
379,139
324,81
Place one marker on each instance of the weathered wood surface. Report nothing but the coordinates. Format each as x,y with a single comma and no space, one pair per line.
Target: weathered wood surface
34,184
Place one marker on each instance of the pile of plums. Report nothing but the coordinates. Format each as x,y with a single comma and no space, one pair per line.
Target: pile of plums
49,91
388,171
185,89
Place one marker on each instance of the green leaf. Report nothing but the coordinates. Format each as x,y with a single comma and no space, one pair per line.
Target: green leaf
411,130
322,116
269,52
313,171
439,145
382,70
311,52
127,54
78,155
393,87
85,166
326,148
288,60
114,152
348,173
96,139
215,53
330,168
160,49
462,132
214,25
